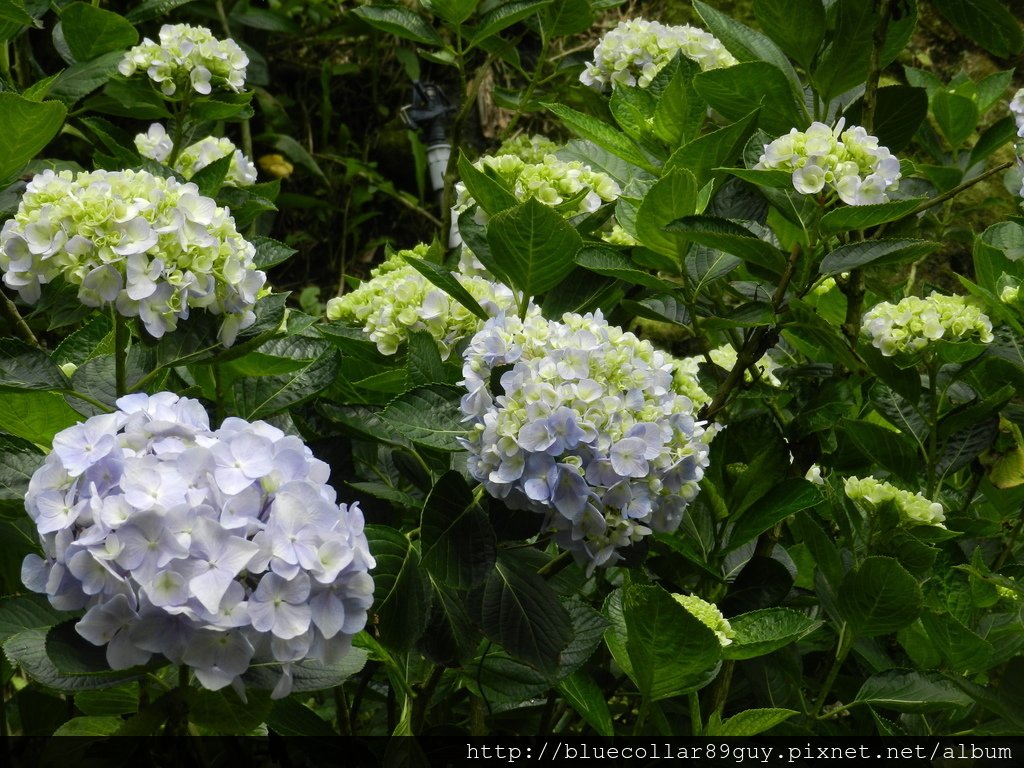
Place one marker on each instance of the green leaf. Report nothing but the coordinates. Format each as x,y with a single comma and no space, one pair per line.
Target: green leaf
672,197
428,416
680,110
13,12
709,152
955,115
399,21
401,591
22,613
906,690
488,192
517,609
738,90
784,499
79,80
992,139
458,542
90,31
222,713
899,112
423,360
799,40
307,675
747,45
90,726
270,252
750,722
885,448
878,597
18,461
875,252
448,283
150,9
964,651
602,134
566,17
589,701
25,128
260,396
289,717
26,367
760,632
504,15
661,308
670,651
35,416
967,444
535,246
989,23
849,217
605,261
122,700
730,237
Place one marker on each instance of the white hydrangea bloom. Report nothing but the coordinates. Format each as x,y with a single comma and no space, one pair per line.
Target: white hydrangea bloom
550,181
529,149
155,144
590,429
398,300
636,50
152,247
217,549
851,163
914,323
913,508
1017,108
708,615
188,57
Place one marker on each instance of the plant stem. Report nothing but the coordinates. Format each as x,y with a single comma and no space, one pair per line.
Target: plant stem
641,718
720,691
531,86
10,311
842,650
867,119
341,713
1010,543
696,724
933,425
553,567
421,703
121,337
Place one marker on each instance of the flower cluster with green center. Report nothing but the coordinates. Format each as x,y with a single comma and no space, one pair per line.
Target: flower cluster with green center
156,144
850,162
635,51
152,247
570,185
914,323
188,57
589,428
708,615
397,300
216,549
913,508
529,149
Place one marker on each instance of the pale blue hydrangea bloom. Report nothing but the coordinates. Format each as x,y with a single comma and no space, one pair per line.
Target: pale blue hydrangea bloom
156,144
398,300
213,548
636,50
152,247
188,57
849,162
590,428
1017,108
914,323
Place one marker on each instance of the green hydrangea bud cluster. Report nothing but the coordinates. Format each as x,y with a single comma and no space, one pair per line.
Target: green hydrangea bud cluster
913,508
529,149
914,323
851,162
708,615
550,181
156,144
398,300
725,357
635,51
154,248
188,57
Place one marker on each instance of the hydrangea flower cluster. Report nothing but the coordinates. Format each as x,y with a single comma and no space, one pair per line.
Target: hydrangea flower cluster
398,300
188,57
550,181
913,507
850,162
215,549
529,149
708,615
635,51
914,323
155,144
152,247
1017,108
590,429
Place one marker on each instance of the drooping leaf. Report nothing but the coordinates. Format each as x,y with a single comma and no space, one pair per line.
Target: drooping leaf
458,543
90,31
761,632
850,217
402,593
879,596
584,695
26,127
535,246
